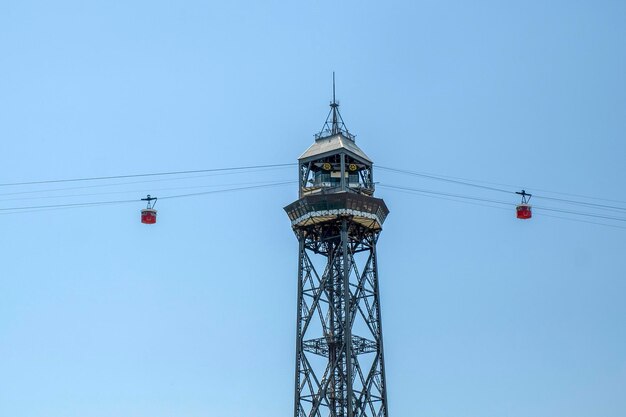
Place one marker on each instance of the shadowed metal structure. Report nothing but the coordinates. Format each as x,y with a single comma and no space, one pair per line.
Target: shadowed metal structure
340,368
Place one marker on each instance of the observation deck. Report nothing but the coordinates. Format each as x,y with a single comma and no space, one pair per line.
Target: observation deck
369,212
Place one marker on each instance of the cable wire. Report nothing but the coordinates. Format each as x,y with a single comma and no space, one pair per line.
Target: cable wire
440,178
442,194
431,192
437,177
47,197
95,203
133,182
599,216
601,206
153,174
472,183
241,169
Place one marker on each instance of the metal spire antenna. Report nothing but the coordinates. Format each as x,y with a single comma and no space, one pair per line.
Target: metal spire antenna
334,122
340,368
335,109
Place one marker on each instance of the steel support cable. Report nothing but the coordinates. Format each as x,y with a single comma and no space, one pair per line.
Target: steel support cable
583,203
583,221
251,187
600,216
136,182
502,208
460,181
472,183
153,174
456,200
130,191
96,203
578,195
54,206
394,187
440,178
508,209
577,213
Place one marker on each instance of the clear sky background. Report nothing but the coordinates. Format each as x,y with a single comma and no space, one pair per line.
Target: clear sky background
484,315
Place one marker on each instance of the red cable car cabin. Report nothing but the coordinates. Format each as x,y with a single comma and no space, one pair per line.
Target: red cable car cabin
148,216
524,211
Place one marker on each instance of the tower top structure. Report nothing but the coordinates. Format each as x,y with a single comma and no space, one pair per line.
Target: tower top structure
334,163
335,171
334,122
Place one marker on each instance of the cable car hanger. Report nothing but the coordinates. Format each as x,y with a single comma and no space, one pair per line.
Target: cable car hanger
524,210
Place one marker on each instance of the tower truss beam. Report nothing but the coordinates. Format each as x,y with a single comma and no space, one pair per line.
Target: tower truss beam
339,349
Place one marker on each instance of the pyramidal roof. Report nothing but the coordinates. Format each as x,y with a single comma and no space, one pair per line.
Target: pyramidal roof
331,144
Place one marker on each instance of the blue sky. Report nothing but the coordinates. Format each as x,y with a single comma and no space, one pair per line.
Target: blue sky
484,315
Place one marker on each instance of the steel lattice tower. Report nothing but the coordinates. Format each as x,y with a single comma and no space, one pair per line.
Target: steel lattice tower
340,368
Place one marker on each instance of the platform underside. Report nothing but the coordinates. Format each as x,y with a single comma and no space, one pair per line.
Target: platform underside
369,212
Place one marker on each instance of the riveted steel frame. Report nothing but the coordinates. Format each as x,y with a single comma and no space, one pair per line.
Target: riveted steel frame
339,373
